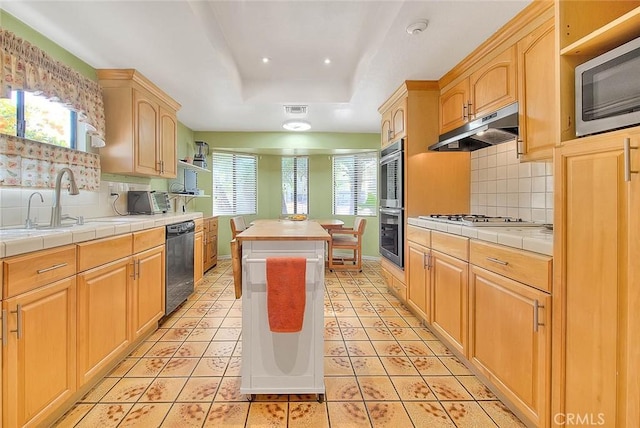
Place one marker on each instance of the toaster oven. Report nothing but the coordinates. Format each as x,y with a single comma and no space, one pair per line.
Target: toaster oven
147,202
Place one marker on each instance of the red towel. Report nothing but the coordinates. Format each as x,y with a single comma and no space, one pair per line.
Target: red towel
286,293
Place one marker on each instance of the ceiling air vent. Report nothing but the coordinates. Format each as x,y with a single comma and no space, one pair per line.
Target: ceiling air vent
295,110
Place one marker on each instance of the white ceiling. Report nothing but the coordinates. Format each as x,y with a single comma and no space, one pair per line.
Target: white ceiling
207,55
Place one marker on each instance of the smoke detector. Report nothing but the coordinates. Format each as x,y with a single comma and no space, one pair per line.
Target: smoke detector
417,27
297,110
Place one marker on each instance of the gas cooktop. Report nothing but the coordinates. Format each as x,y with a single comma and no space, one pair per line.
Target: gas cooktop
478,220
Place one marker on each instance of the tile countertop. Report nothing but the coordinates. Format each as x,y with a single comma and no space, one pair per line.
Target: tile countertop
536,239
12,243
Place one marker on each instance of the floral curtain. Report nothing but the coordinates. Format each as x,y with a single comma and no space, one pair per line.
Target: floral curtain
27,67
32,164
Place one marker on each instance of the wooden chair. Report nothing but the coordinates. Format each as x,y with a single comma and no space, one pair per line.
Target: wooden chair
350,240
237,226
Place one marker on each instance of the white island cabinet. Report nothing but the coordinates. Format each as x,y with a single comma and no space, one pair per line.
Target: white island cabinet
282,363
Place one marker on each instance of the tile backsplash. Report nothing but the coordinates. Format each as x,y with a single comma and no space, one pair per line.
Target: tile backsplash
14,202
503,186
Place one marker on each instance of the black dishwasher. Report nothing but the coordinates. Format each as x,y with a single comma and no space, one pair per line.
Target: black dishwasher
178,264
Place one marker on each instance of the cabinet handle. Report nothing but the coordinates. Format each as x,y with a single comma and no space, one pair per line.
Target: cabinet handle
4,327
536,319
54,267
389,134
627,159
18,329
519,151
429,265
137,262
464,112
500,262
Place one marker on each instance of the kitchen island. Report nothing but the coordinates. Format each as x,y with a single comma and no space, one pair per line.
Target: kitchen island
275,362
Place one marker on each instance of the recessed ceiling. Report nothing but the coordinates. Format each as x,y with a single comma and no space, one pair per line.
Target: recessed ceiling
208,55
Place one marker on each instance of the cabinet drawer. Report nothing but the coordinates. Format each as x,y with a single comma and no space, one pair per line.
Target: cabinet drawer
398,288
101,251
455,246
30,271
148,239
199,225
419,236
523,266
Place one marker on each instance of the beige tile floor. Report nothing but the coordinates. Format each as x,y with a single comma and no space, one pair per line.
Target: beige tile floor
382,369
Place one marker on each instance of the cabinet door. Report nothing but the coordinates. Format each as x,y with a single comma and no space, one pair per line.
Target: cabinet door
418,292
145,124
536,94
494,85
509,340
454,105
103,321
168,143
198,251
41,355
399,119
148,291
596,293
386,133
449,285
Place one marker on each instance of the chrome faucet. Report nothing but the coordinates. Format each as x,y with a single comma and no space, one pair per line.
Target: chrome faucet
56,209
28,223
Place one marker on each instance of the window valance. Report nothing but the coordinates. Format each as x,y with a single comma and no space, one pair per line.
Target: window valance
27,67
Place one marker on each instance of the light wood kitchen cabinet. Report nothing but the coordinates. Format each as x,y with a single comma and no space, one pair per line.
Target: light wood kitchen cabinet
39,336
198,251
449,287
510,340
141,122
484,91
419,272
596,294
148,290
394,122
395,285
210,243
537,94
103,318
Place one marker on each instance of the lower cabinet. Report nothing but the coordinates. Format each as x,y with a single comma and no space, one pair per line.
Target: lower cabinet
40,355
103,327
419,274
148,289
210,256
510,340
449,286
198,252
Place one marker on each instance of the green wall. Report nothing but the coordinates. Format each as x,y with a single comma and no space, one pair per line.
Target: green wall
268,146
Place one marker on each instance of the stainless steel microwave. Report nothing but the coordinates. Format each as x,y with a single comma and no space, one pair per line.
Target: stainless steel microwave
608,90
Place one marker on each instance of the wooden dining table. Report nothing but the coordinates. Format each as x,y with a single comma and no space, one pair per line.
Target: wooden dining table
326,223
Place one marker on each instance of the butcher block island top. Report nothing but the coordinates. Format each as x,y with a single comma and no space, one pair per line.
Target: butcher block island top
284,230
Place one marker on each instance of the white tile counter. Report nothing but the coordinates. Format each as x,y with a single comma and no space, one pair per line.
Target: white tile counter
17,240
536,239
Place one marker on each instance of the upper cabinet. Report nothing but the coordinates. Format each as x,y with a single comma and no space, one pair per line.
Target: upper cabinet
537,94
141,124
491,86
394,122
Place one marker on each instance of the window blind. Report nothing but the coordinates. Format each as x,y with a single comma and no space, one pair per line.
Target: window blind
355,184
234,184
295,185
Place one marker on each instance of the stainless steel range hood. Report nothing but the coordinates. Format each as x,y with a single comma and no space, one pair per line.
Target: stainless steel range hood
495,128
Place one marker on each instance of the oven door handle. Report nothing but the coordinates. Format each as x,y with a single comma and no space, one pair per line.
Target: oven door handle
390,211
390,157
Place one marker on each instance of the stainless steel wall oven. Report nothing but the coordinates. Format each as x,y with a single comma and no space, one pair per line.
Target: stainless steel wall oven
392,203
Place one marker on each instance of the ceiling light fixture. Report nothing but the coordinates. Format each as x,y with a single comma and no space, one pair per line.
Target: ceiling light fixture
265,59
296,125
327,61
417,27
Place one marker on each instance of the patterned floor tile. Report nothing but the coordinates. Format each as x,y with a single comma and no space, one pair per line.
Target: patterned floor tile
383,368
